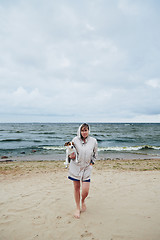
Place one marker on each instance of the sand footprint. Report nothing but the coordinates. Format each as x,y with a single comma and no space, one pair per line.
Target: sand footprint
38,220
87,234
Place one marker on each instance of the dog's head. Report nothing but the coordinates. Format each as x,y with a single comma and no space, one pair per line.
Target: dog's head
69,144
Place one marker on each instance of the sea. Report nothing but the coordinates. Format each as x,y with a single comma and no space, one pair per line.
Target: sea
45,141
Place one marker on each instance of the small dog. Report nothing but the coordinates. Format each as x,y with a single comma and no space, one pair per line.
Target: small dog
70,148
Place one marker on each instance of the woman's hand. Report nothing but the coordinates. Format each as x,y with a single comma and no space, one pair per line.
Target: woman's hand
72,155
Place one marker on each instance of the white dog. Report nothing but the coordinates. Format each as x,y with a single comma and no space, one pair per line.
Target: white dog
70,148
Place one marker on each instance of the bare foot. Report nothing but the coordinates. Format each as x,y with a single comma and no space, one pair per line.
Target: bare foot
83,207
77,213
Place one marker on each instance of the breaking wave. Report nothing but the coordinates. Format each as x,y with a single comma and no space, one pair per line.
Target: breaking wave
118,149
132,148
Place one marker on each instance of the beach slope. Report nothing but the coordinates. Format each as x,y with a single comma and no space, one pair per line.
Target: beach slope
36,202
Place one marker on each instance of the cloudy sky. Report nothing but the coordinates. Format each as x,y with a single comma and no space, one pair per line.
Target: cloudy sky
79,61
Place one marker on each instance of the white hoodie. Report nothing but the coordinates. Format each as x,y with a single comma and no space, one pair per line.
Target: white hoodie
86,152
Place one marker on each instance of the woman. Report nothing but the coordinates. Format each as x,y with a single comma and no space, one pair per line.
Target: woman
86,147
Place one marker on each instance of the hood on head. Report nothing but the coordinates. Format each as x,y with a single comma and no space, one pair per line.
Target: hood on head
79,131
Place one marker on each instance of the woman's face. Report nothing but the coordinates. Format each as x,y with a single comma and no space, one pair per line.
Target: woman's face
84,132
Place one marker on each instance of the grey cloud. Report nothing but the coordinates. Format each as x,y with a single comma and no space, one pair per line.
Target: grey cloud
89,59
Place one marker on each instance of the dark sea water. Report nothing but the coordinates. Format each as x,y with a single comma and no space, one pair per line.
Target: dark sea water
45,141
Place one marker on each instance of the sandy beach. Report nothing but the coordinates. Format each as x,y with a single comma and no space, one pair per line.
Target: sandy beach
36,202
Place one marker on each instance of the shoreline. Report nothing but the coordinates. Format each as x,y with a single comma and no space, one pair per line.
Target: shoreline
61,156
19,168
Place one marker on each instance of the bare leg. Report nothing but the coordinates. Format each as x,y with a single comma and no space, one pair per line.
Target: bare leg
77,198
85,191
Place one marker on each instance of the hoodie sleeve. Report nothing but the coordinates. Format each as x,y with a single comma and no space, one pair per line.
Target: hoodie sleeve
95,154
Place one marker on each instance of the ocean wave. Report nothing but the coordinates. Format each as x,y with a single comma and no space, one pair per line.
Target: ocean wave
132,148
59,148
45,133
12,140
16,131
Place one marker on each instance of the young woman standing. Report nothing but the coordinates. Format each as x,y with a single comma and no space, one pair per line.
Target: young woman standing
80,172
